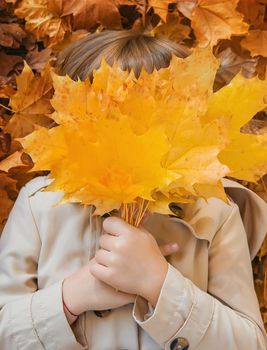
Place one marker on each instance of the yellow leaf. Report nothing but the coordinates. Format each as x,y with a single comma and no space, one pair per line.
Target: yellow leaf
67,91
108,168
246,156
198,165
210,190
241,99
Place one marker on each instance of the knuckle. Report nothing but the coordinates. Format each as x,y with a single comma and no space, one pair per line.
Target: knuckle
120,245
115,260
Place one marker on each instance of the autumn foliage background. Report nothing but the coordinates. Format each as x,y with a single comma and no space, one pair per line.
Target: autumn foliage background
34,31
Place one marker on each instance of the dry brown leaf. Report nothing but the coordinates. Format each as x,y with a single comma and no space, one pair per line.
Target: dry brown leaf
160,7
7,186
5,143
15,160
37,59
44,19
213,20
11,34
231,64
173,28
90,14
263,251
259,291
256,42
31,103
8,63
5,206
253,10
255,126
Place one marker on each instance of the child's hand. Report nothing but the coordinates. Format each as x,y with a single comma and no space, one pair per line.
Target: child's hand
83,292
130,260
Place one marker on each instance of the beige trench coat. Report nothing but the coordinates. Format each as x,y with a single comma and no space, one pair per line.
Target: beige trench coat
207,300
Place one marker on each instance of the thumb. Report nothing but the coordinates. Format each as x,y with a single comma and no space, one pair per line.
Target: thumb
169,248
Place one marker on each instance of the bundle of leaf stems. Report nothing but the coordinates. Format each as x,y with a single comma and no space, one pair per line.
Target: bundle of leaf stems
133,213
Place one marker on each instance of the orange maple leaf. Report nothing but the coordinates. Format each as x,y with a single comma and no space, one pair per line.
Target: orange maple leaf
213,20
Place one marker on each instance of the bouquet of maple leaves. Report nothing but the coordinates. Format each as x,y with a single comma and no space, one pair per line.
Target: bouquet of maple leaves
143,143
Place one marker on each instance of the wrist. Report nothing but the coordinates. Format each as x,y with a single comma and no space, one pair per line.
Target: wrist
71,297
71,318
155,283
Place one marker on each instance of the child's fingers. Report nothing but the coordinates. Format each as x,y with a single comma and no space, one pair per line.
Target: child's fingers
116,226
103,257
167,249
106,241
100,272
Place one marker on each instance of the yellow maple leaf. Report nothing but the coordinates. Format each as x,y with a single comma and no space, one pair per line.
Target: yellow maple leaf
107,167
246,155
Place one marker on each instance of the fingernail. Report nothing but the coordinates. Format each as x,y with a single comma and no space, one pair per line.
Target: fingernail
174,246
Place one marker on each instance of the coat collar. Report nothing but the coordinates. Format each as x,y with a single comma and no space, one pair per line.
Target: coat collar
253,211
203,218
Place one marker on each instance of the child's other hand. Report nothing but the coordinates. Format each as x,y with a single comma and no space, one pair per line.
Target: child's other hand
130,260
83,292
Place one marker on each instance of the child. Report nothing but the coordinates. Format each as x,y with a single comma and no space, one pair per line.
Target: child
135,291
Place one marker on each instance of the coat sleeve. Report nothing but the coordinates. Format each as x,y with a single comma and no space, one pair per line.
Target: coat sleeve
30,319
227,316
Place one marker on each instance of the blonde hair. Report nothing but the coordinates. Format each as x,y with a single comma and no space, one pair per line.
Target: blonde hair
130,49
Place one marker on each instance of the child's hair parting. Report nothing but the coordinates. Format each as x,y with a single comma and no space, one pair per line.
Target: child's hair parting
130,49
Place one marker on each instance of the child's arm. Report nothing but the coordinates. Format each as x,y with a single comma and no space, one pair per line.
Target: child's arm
184,316
30,319
227,317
